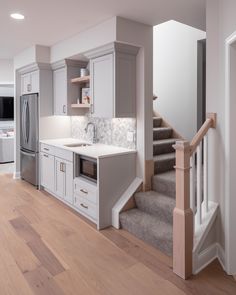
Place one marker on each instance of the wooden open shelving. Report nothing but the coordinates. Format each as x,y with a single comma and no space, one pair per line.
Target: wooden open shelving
80,80
81,105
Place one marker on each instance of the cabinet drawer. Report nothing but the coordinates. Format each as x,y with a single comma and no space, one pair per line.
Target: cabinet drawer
86,207
63,154
47,149
85,190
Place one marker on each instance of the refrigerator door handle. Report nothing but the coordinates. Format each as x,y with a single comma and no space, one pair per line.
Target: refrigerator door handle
23,122
28,154
27,122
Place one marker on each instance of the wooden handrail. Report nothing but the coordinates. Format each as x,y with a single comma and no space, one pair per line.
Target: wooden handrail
209,123
183,217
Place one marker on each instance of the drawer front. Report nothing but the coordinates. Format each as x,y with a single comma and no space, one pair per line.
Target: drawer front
85,190
63,154
47,149
86,207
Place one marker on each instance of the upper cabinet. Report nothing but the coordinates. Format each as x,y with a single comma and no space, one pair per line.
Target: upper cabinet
66,93
113,81
30,82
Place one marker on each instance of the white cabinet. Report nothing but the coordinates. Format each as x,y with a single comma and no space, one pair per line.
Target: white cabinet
113,81
59,178
85,194
56,171
64,179
101,71
59,92
64,92
47,171
30,82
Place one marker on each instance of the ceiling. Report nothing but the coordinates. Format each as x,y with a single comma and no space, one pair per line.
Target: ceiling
50,21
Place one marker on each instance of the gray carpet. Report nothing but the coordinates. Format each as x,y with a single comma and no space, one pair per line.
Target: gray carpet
152,220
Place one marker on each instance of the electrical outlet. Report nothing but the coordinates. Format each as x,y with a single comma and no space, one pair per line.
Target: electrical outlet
130,136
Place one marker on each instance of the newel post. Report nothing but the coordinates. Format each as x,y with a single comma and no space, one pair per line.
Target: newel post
183,215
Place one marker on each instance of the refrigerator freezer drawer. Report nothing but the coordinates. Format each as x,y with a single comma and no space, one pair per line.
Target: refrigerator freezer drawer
29,167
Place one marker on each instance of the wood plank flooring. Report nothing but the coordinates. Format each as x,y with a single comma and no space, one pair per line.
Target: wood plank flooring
48,249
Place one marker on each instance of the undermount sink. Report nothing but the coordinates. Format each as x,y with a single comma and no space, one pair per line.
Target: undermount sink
76,144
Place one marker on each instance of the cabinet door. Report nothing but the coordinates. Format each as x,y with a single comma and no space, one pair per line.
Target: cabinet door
47,171
59,178
68,170
125,86
102,86
60,92
25,84
34,82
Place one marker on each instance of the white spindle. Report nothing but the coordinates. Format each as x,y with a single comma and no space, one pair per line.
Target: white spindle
205,165
192,183
199,183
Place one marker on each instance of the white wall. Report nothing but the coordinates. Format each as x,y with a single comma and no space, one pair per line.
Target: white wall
175,75
6,71
221,23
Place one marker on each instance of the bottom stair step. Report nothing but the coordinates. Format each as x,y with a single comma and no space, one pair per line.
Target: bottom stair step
149,229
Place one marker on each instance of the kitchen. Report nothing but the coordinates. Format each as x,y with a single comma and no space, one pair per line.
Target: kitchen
89,161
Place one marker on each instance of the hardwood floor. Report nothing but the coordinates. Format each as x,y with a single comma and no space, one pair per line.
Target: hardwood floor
46,248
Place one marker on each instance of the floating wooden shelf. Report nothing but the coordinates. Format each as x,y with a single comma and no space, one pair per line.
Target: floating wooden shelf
80,105
80,80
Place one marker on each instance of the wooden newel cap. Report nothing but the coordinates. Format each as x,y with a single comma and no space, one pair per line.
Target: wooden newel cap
182,145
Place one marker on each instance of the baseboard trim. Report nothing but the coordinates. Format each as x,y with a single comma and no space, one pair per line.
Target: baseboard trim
221,255
16,175
204,258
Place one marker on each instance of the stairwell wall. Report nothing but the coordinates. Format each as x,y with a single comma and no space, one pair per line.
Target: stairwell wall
221,23
175,75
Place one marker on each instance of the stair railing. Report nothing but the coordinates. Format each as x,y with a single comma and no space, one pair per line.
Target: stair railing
191,195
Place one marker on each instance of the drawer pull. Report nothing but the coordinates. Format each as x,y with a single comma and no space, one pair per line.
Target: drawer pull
45,155
84,191
82,205
46,149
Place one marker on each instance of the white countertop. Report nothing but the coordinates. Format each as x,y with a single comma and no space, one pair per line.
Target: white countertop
96,150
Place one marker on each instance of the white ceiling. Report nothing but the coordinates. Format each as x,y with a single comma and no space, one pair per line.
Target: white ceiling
50,21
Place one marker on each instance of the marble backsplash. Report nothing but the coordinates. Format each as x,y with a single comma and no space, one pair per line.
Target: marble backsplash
109,131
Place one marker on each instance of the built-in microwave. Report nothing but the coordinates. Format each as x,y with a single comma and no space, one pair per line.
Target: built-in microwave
86,168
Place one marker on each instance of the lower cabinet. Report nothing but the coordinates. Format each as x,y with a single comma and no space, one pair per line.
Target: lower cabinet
57,176
47,171
64,179
85,197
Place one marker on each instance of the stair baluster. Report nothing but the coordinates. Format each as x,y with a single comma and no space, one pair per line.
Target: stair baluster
184,221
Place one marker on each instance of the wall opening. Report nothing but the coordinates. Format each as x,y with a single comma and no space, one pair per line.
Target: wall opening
178,54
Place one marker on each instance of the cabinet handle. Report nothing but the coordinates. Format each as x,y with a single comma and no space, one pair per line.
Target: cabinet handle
82,205
61,167
84,191
64,109
46,149
45,155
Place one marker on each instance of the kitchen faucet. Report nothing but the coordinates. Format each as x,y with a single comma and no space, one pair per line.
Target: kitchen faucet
94,131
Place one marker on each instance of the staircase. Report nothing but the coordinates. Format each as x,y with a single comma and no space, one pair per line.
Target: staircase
152,220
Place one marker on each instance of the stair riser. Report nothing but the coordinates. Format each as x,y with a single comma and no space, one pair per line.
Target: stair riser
164,214
164,187
164,166
164,244
163,148
157,122
162,134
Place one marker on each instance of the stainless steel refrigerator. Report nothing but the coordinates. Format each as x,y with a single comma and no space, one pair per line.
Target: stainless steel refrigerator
29,138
